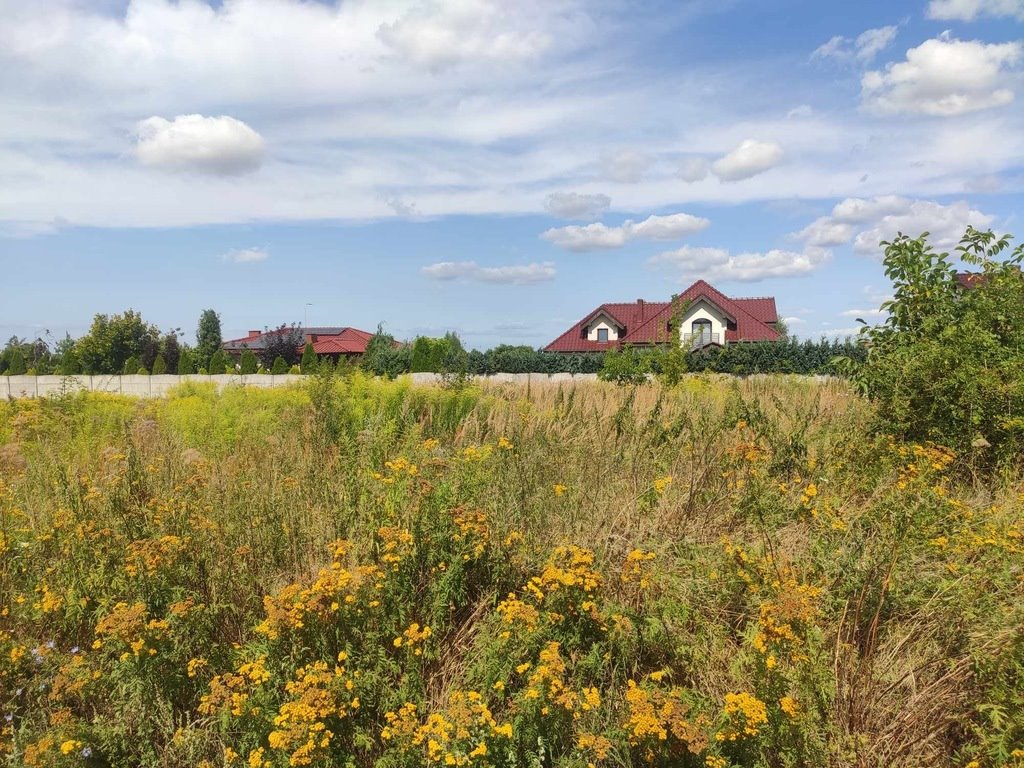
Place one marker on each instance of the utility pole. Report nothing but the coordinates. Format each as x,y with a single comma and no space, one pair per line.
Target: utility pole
305,316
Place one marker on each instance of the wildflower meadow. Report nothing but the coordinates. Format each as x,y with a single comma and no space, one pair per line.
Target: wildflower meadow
357,572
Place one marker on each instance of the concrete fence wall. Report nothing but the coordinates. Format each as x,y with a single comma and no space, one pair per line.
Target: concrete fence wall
157,386
139,386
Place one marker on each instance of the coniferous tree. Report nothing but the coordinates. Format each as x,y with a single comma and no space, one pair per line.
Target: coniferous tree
132,365
248,362
159,366
280,366
208,339
186,362
308,364
18,366
218,363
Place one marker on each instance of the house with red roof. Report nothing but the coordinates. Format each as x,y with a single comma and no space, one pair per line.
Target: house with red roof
331,341
701,314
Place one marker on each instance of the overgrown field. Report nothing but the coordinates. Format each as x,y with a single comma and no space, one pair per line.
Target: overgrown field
363,573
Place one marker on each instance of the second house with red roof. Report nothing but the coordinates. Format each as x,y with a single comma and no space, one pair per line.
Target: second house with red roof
702,315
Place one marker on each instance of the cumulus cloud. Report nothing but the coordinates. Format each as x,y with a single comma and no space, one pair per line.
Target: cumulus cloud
945,223
863,48
246,255
749,159
868,221
863,313
591,237
826,232
597,236
969,10
401,207
217,145
692,169
516,274
573,205
438,35
719,264
943,77
626,167
794,320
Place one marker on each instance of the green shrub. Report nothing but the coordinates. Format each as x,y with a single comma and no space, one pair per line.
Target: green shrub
308,363
132,365
159,366
948,364
280,366
248,362
626,366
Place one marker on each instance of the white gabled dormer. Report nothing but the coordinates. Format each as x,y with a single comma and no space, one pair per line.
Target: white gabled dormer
602,328
703,323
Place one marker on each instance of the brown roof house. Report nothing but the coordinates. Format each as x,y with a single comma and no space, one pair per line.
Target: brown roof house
333,342
704,316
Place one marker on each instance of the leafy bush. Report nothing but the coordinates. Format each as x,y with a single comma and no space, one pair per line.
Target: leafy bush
280,367
948,363
248,362
159,366
626,366
308,363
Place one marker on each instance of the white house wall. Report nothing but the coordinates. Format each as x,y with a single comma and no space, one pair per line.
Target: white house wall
702,310
602,321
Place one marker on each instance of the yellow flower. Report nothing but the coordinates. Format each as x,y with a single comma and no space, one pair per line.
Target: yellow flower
559,489
661,484
789,705
70,746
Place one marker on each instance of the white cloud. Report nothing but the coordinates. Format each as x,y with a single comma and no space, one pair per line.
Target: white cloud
573,205
804,110
825,233
718,264
969,10
835,48
794,320
591,237
217,145
866,222
749,159
670,227
402,208
864,313
438,35
841,332
599,236
692,169
246,255
942,78
873,41
626,167
945,223
865,47
518,274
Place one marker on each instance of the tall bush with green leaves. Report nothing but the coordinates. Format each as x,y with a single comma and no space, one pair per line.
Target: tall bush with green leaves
308,364
947,365
248,362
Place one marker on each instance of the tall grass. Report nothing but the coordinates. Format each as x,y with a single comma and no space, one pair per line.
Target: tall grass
360,572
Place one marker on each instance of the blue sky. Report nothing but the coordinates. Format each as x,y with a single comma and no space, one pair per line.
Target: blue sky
492,168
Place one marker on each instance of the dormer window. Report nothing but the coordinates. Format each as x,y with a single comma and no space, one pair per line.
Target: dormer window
602,335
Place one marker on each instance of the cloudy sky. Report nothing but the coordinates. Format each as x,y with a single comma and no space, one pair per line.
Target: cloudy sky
495,168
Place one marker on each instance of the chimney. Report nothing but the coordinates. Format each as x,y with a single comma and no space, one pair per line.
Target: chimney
640,304
253,334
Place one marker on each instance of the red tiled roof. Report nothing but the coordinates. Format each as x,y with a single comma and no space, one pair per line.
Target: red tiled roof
645,322
334,340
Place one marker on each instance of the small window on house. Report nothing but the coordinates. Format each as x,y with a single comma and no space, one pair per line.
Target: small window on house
602,334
